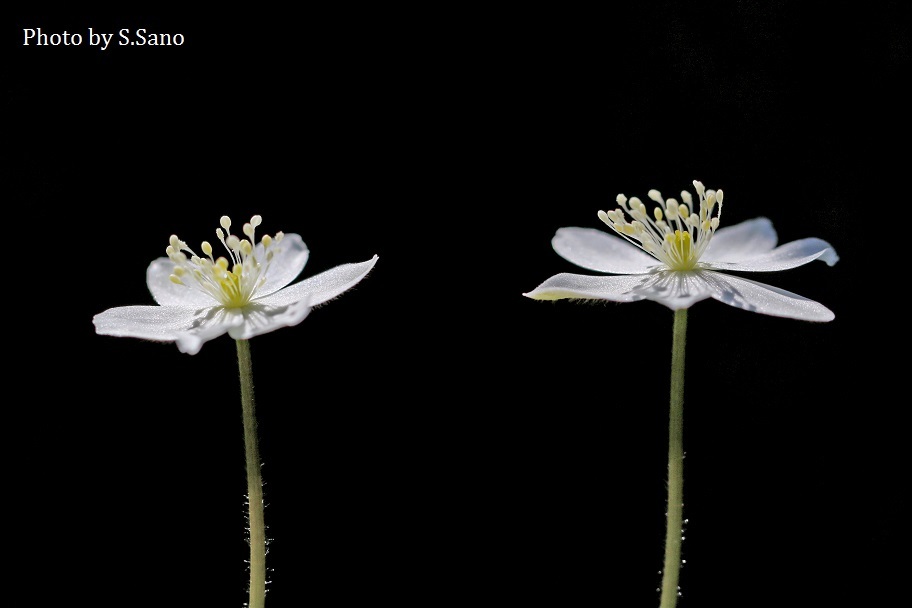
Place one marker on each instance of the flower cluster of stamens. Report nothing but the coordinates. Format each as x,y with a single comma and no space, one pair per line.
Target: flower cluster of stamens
232,280
678,235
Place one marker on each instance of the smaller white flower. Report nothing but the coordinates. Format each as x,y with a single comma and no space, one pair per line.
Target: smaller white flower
674,256
243,295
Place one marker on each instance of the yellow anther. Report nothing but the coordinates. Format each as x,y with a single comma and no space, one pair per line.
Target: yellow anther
246,247
179,271
267,241
176,279
256,220
248,230
683,210
207,248
222,263
225,222
658,214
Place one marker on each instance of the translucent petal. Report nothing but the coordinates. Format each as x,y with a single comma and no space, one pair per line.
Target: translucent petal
741,241
264,318
597,250
617,288
766,299
322,287
675,290
790,255
187,326
166,293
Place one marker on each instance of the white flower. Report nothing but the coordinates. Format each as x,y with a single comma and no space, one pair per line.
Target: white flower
673,256
244,295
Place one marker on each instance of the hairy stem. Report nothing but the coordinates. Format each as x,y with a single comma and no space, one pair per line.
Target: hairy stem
671,570
254,481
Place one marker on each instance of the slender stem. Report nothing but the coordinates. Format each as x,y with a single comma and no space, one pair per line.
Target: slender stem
672,568
254,482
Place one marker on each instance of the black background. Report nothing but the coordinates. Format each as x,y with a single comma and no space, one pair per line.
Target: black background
432,437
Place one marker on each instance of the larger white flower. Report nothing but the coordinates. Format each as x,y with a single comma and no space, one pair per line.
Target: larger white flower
673,257
244,295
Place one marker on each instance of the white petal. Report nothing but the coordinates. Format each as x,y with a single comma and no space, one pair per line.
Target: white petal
766,299
287,263
741,241
618,288
322,287
790,255
188,327
673,289
167,293
600,251
264,318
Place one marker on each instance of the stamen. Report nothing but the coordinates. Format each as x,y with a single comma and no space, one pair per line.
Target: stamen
678,247
234,288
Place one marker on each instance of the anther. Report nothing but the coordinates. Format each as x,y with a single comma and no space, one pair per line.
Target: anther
655,195
225,221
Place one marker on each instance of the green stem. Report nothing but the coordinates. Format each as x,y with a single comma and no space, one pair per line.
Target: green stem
672,569
254,481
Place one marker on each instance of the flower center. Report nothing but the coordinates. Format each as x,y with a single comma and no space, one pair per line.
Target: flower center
678,235
233,280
